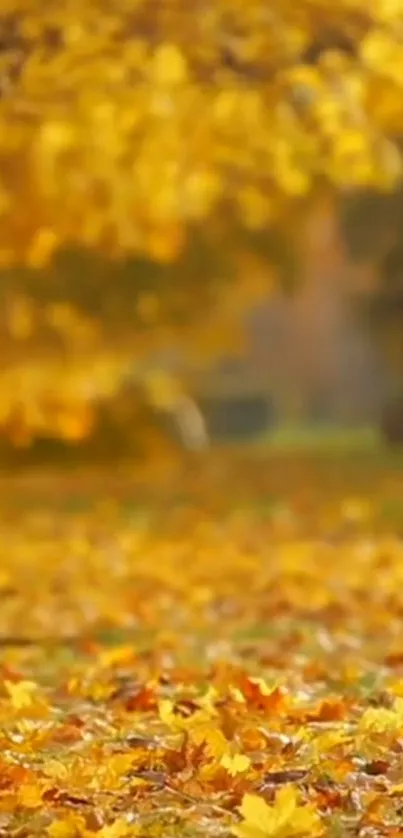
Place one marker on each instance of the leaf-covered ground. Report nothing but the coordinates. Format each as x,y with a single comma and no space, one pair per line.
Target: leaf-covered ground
224,658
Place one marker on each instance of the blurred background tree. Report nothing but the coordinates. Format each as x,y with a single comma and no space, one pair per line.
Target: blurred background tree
153,156
372,225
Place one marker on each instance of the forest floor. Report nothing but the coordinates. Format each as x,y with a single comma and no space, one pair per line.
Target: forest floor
211,649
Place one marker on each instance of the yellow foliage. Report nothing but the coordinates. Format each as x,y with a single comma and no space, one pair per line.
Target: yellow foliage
74,826
56,770
118,829
235,764
111,137
70,827
285,819
123,130
23,694
382,719
168,66
30,796
172,726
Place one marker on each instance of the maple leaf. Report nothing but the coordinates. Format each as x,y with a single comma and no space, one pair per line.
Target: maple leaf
23,694
30,795
270,699
118,829
234,765
69,827
216,745
333,709
383,719
329,740
74,826
285,819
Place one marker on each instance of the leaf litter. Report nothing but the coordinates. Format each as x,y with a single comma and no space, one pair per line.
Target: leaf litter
219,671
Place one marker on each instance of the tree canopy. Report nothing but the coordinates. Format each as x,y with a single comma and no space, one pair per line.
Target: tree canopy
123,122
178,136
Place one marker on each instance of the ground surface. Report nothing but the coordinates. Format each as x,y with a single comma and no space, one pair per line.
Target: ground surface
214,652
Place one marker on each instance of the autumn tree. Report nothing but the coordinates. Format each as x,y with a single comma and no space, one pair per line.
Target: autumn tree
152,156
372,227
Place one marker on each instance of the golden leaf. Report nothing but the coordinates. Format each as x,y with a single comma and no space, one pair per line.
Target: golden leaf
212,737
383,719
118,765
22,694
235,764
119,829
166,713
285,819
31,796
70,827
56,770
168,66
